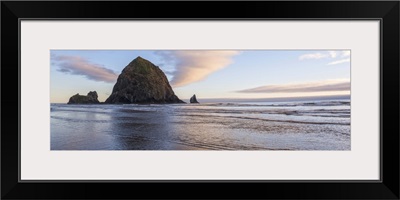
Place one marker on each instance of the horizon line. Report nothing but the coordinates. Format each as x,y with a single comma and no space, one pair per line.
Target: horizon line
321,97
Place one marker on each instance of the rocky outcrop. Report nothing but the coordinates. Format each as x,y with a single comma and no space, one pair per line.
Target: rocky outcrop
193,99
91,98
142,82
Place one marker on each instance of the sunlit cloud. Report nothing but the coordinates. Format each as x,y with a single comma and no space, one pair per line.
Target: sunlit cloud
319,86
194,66
333,54
77,65
314,56
339,61
345,53
328,55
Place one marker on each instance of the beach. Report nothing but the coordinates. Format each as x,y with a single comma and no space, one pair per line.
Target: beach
293,125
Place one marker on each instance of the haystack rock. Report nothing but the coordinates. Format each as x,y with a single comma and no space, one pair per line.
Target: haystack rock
193,99
91,98
142,82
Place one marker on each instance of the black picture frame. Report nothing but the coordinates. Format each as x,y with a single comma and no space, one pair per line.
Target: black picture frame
386,11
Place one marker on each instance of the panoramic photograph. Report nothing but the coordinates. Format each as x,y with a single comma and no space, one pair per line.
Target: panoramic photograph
235,100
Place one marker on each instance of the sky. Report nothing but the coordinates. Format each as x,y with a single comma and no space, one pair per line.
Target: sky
209,74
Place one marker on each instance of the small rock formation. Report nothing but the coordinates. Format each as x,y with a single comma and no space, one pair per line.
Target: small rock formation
142,82
91,98
193,99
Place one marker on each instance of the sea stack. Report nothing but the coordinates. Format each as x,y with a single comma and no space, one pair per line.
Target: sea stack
193,99
142,82
91,98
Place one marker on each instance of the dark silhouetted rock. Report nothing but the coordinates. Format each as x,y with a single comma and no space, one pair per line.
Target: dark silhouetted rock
193,99
91,98
142,82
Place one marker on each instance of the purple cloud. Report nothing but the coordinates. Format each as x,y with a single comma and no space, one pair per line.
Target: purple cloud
77,65
319,86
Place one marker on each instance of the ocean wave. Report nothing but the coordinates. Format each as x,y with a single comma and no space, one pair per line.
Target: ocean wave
318,113
268,120
80,120
291,104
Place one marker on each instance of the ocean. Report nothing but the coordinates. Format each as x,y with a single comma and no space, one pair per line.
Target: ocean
246,125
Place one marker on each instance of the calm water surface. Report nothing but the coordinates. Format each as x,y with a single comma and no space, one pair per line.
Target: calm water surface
309,125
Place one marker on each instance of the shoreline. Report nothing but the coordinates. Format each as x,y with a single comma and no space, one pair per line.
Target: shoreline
241,100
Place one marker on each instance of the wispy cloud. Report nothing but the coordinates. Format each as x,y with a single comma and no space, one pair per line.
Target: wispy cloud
328,55
314,56
333,54
194,66
345,53
77,65
319,86
339,61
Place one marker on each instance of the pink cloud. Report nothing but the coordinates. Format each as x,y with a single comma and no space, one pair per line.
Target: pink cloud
195,66
318,86
77,65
